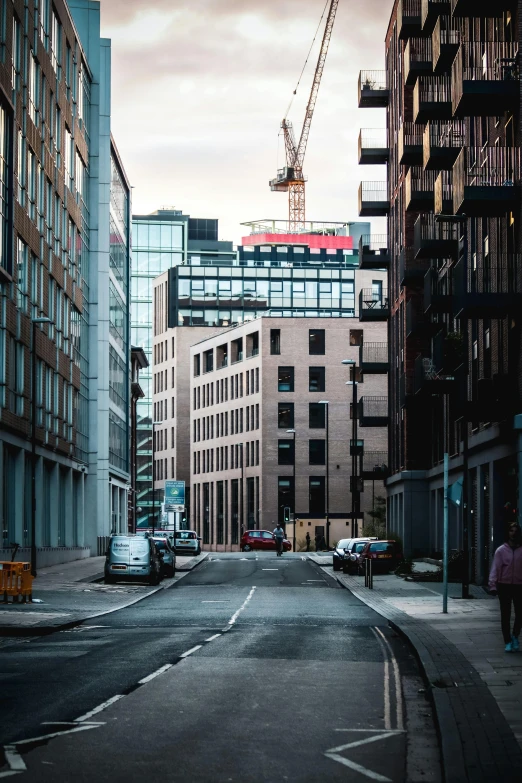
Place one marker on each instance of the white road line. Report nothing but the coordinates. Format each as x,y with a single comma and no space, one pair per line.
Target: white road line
83,727
99,708
397,677
192,650
13,758
242,607
215,602
216,636
8,773
387,708
155,674
357,768
375,731
270,569
316,580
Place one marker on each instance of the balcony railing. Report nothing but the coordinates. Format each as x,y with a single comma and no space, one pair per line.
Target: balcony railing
433,239
409,18
481,8
428,379
418,324
445,45
430,12
419,189
442,142
375,465
444,193
373,411
438,289
373,358
373,146
411,269
488,286
418,59
373,251
373,199
372,89
432,99
373,305
410,144
486,181
485,79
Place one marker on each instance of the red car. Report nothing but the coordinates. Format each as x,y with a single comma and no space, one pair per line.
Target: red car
261,539
385,556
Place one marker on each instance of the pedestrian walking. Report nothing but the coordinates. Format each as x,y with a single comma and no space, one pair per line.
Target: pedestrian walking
279,535
505,580
307,541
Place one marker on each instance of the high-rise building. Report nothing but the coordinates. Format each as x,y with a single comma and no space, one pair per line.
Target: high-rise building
451,91
65,259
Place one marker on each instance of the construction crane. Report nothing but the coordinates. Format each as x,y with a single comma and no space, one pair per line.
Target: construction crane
291,178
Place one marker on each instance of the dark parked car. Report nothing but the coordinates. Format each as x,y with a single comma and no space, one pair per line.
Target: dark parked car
343,550
261,539
350,562
385,556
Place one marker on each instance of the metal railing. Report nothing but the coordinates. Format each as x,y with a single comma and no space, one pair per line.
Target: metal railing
426,228
433,6
486,61
374,353
371,300
488,167
373,243
409,266
374,407
373,138
443,191
433,89
495,274
445,134
409,8
375,462
410,134
418,50
371,81
373,191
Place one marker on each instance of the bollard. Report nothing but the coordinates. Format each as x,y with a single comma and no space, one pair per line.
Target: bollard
370,577
16,580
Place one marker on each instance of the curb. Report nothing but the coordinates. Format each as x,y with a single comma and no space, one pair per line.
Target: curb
45,630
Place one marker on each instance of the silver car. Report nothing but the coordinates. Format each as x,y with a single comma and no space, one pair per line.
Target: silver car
132,557
167,554
187,541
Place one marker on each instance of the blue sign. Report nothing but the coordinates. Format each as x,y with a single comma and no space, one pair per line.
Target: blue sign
174,493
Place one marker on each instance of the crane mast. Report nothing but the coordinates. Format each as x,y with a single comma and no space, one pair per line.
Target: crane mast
291,179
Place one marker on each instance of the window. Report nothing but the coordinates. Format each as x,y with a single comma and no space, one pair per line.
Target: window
316,342
5,173
22,262
208,361
285,379
275,342
316,416
286,452
197,365
317,452
316,379
285,415
316,491
356,337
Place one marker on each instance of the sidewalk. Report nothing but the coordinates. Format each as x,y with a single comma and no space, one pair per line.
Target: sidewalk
68,594
476,687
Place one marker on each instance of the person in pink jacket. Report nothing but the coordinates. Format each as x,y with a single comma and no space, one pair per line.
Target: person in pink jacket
505,579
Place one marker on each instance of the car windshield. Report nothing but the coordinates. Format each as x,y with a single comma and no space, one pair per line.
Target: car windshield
360,547
382,546
343,543
185,534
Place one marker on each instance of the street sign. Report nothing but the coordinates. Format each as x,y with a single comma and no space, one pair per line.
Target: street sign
180,509
174,494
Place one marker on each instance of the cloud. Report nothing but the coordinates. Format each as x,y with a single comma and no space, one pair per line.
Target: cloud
200,88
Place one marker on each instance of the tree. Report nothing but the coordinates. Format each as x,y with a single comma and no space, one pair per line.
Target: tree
376,526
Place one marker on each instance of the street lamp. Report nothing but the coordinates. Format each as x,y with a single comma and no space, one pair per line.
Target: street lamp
326,404
292,432
356,498
34,323
154,424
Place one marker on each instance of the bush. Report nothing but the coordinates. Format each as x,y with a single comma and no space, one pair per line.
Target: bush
395,537
376,525
405,567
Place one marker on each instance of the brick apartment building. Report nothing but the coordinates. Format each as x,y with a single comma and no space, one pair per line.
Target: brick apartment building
451,93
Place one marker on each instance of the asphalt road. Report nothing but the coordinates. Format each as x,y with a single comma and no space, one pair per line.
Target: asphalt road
253,668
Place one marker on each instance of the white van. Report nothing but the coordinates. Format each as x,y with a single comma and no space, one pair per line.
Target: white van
132,557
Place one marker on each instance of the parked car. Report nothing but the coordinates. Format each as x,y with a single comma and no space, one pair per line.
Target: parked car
167,554
357,546
261,539
385,556
344,548
132,557
187,542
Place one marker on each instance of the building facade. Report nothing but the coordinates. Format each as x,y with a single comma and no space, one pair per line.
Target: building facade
60,172
270,427
451,91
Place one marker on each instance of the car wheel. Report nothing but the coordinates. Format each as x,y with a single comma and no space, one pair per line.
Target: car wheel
109,580
336,566
247,548
170,572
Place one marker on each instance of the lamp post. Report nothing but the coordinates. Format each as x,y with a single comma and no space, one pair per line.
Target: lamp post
242,513
326,404
356,497
34,323
292,432
154,425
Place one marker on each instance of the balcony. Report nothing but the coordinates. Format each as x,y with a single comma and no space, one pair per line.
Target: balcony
444,193
411,269
410,144
409,18
435,240
445,45
432,99
442,142
485,79
373,251
417,59
419,190
488,286
373,199
373,146
373,305
486,181
481,9
373,92
438,291
373,358
428,380
418,324
405,389
375,465
430,12
373,412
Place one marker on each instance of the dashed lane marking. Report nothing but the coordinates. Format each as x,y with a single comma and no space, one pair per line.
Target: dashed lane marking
192,650
99,708
216,636
155,674
243,606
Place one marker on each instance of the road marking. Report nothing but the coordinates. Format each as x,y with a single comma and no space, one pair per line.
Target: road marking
99,708
10,772
387,707
13,758
192,650
215,602
155,674
397,677
216,636
333,754
315,580
242,607
270,569
75,730
375,731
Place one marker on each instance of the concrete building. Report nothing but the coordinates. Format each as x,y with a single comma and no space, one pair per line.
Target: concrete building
451,93
270,427
65,258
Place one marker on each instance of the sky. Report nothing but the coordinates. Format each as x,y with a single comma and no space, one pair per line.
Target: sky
199,89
